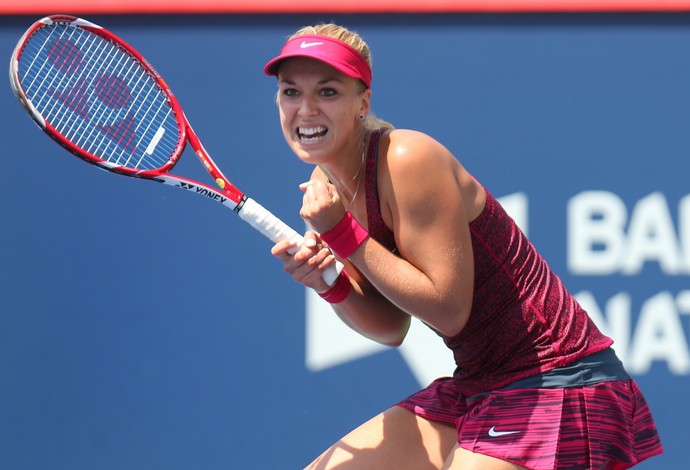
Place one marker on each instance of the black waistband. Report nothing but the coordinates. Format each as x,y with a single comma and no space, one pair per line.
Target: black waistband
603,366
599,367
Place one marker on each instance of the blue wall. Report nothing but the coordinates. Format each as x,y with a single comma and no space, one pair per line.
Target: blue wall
141,327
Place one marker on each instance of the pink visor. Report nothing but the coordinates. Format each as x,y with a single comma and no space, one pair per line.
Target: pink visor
337,54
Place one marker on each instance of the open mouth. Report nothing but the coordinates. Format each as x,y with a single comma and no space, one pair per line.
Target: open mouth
311,134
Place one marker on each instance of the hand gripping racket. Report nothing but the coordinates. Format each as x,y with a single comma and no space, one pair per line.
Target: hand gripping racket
101,100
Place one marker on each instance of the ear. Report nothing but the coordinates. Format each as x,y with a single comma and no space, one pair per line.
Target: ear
365,102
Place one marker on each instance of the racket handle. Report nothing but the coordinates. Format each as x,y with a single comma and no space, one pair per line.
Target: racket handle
276,230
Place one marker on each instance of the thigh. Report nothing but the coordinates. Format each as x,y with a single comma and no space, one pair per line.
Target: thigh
463,459
394,439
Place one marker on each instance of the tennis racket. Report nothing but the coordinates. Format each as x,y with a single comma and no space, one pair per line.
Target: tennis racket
101,100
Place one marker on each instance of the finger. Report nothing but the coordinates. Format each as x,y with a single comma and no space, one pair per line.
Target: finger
304,252
282,248
312,239
310,273
327,259
310,242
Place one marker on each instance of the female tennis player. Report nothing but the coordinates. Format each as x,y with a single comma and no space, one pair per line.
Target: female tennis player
537,385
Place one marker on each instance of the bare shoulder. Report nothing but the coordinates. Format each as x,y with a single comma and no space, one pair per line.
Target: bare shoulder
415,159
405,143
413,154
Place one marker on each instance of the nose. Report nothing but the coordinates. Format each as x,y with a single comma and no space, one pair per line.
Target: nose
308,107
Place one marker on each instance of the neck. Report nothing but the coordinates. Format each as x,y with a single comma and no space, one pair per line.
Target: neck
347,176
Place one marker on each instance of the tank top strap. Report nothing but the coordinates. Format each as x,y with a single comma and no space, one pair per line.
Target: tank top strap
377,227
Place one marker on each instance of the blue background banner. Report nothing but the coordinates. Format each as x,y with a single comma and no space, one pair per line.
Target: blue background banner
141,327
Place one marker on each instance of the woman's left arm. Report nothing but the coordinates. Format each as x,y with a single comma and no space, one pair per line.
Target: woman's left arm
423,192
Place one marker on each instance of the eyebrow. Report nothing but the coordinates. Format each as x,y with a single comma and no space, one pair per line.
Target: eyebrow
320,82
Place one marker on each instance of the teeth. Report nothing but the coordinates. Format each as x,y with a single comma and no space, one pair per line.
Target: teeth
311,132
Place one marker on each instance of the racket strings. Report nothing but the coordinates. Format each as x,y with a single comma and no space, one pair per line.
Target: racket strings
99,97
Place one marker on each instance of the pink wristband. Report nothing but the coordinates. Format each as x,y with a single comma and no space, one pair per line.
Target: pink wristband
339,291
346,236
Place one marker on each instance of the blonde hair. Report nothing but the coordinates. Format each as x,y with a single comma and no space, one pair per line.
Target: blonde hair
354,40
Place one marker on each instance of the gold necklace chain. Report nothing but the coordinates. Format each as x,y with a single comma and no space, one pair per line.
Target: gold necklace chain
359,173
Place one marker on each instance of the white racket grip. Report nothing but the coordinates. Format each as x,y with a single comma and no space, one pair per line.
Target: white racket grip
276,230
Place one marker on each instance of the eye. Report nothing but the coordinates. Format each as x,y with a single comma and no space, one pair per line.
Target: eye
328,92
289,92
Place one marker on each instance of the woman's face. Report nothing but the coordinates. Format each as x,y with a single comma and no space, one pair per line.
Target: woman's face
319,109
